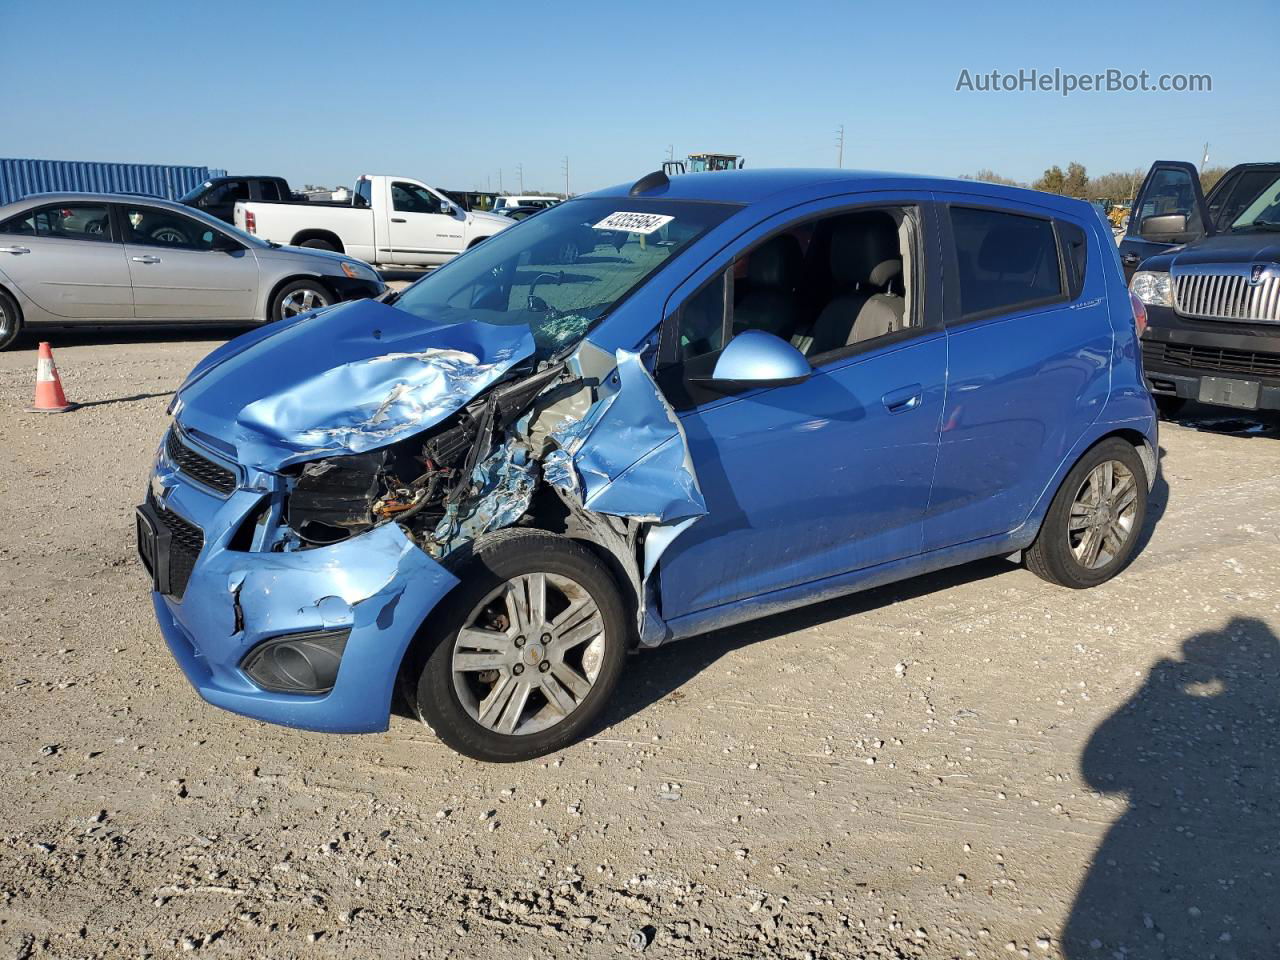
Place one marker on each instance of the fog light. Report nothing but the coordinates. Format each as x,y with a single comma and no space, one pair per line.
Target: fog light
298,663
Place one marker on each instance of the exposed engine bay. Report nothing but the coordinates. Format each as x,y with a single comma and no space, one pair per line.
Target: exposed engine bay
424,482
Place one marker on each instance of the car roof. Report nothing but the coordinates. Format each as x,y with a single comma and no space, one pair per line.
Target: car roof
72,197
751,186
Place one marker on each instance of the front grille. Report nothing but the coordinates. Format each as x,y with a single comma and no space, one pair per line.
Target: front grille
197,466
186,541
1227,296
1218,359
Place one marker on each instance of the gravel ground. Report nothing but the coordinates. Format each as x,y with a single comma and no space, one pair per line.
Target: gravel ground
973,764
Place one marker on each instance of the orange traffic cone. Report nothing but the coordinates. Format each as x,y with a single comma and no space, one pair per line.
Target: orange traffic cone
49,395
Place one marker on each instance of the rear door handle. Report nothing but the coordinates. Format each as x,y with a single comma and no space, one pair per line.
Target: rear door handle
16,251
146,259
398,220
906,398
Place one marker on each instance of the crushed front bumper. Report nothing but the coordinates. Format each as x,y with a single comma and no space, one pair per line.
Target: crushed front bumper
380,586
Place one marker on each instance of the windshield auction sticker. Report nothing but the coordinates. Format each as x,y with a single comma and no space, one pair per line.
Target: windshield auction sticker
634,222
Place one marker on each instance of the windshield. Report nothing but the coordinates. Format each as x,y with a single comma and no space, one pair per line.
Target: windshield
194,192
562,271
1264,212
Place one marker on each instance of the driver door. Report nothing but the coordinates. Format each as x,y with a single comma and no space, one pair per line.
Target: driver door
179,271
418,232
1170,191
812,480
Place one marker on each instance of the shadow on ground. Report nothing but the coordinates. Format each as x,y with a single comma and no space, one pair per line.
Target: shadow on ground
1192,869
105,336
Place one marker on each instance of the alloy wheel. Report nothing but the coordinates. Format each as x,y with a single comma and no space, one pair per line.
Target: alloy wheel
528,654
300,301
1102,514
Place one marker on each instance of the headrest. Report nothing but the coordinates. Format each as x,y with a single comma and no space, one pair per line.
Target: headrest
1011,248
885,272
863,245
776,263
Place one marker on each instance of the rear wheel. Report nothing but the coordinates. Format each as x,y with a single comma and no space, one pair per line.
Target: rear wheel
298,297
10,320
1092,527
1169,407
531,646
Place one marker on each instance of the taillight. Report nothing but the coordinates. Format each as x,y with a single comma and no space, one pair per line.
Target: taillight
1139,314
250,221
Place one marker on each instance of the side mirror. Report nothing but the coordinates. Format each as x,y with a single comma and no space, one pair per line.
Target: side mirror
1164,228
224,244
447,208
755,358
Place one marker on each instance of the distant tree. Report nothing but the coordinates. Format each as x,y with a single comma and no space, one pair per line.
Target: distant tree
1076,181
990,176
1210,176
1118,186
1052,181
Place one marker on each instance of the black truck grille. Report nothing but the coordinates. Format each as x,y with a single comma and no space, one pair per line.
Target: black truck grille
197,466
1221,359
186,541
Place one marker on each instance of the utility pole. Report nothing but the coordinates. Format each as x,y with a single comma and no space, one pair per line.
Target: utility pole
840,146
499,179
520,176
671,152
565,164
1204,157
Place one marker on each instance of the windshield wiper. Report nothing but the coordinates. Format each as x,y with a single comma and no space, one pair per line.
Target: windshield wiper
1258,224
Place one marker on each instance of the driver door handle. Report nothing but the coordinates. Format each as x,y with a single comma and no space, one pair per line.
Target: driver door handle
1130,258
906,398
398,220
16,251
147,259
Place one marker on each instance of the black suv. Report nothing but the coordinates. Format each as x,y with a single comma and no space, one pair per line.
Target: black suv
1209,274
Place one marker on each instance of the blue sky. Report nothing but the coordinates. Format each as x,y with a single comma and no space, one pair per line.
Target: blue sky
452,93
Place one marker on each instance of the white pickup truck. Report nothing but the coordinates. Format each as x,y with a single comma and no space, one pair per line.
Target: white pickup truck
389,222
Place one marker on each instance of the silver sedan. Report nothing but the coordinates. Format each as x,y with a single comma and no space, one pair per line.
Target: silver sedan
99,259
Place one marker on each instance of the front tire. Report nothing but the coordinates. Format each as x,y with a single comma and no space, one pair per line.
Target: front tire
298,297
10,320
530,648
1092,527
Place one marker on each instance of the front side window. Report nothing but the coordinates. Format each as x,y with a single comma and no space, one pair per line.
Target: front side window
412,198
1170,191
562,271
72,221
1005,261
824,285
156,227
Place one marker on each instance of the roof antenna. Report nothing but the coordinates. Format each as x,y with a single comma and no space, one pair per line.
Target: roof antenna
650,181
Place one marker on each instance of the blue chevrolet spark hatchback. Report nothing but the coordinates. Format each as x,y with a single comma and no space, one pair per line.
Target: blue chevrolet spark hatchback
655,410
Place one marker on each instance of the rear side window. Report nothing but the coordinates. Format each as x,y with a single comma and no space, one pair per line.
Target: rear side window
1075,256
72,221
1006,261
269,191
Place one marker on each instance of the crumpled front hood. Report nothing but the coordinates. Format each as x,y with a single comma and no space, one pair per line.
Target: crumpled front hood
347,380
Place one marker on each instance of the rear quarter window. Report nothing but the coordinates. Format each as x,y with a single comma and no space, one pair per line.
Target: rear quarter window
1005,261
1075,256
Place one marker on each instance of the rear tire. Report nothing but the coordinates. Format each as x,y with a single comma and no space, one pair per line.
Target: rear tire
511,678
1169,407
299,297
10,320
1092,527
317,244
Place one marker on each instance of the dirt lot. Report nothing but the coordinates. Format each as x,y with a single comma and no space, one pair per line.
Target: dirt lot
959,766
